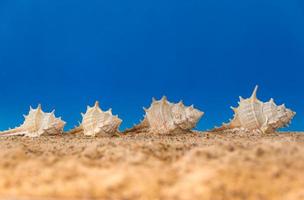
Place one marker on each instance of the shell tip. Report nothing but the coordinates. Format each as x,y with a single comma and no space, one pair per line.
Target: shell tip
254,93
164,98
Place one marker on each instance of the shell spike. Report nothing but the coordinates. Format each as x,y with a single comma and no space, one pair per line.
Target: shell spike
164,99
153,99
233,108
96,104
201,113
254,93
39,107
180,103
109,111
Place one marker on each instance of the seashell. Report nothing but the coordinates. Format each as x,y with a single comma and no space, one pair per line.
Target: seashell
164,117
95,122
253,114
37,123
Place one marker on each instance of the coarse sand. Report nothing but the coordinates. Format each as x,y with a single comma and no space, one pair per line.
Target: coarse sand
230,165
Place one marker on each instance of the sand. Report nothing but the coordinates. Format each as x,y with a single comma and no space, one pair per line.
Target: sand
197,165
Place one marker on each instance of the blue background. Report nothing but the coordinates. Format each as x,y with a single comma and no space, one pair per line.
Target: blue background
66,54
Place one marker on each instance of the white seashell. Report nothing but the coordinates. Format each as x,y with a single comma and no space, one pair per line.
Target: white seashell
37,123
252,114
95,121
164,117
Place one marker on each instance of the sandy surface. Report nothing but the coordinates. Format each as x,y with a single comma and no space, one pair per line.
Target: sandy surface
222,166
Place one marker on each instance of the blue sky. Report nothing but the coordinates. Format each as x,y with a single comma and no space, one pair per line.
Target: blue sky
67,54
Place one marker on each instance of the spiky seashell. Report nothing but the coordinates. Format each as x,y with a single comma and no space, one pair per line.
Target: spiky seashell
95,122
164,117
37,123
252,114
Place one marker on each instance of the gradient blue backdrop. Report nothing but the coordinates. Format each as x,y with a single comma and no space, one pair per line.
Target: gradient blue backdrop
66,54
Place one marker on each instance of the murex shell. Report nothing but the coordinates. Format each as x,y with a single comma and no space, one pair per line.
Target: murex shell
164,117
37,123
95,121
252,114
